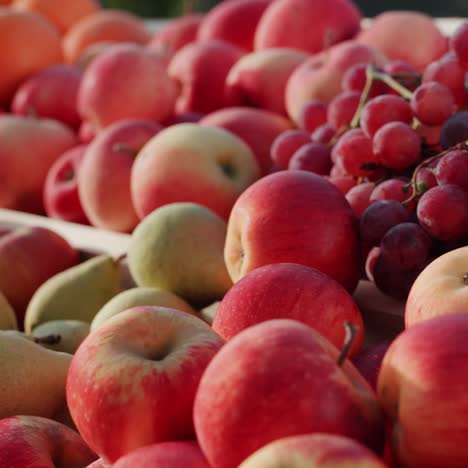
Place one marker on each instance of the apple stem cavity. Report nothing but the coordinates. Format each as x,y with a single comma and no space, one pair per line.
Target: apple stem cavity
48,339
351,332
465,278
122,147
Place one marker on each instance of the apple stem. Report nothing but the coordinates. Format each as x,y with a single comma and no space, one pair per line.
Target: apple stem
48,339
465,278
122,147
351,332
120,258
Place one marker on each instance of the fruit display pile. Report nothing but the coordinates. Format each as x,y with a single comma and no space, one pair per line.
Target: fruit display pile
263,158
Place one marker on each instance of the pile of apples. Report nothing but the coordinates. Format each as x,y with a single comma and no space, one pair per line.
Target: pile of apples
264,157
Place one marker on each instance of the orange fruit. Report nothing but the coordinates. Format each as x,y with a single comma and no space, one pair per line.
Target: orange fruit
28,44
63,14
103,26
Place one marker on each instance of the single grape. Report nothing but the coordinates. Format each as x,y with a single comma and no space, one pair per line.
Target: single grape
343,183
454,130
433,103
443,212
397,145
453,169
354,149
384,109
459,43
313,114
355,78
312,157
378,218
286,144
426,176
323,134
391,189
342,108
403,72
359,197
406,246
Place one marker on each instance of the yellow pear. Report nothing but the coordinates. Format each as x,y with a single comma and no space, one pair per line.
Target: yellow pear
7,315
69,334
77,293
32,377
140,297
179,247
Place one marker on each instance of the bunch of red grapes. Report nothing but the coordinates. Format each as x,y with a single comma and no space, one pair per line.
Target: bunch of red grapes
395,142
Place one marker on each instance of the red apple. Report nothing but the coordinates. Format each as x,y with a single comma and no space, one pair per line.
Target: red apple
29,147
423,390
288,290
200,69
28,257
132,382
105,194
61,198
277,379
50,93
99,463
257,127
296,217
192,163
32,441
233,21
183,454
313,451
287,23
149,93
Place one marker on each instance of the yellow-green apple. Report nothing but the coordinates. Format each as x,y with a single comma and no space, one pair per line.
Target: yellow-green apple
176,33
61,199
149,93
293,217
32,441
179,247
105,194
306,295
412,28
319,77
173,454
277,379
192,163
259,78
257,127
200,70
50,93
132,382
233,21
314,451
29,147
441,288
422,388
28,257
286,23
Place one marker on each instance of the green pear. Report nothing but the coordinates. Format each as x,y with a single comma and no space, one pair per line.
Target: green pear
7,315
140,297
32,377
180,247
77,293
69,334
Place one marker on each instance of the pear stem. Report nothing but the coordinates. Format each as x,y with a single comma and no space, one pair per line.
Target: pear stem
351,332
48,339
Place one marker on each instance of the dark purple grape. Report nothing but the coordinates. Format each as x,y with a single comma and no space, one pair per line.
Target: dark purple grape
454,130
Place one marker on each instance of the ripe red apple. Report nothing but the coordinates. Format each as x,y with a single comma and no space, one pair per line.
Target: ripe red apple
287,23
105,194
192,163
183,454
423,390
28,257
61,198
33,441
149,93
200,70
29,147
313,451
288,290
132,381
50,93
257,127
277,379
441,288
233,21
295,217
